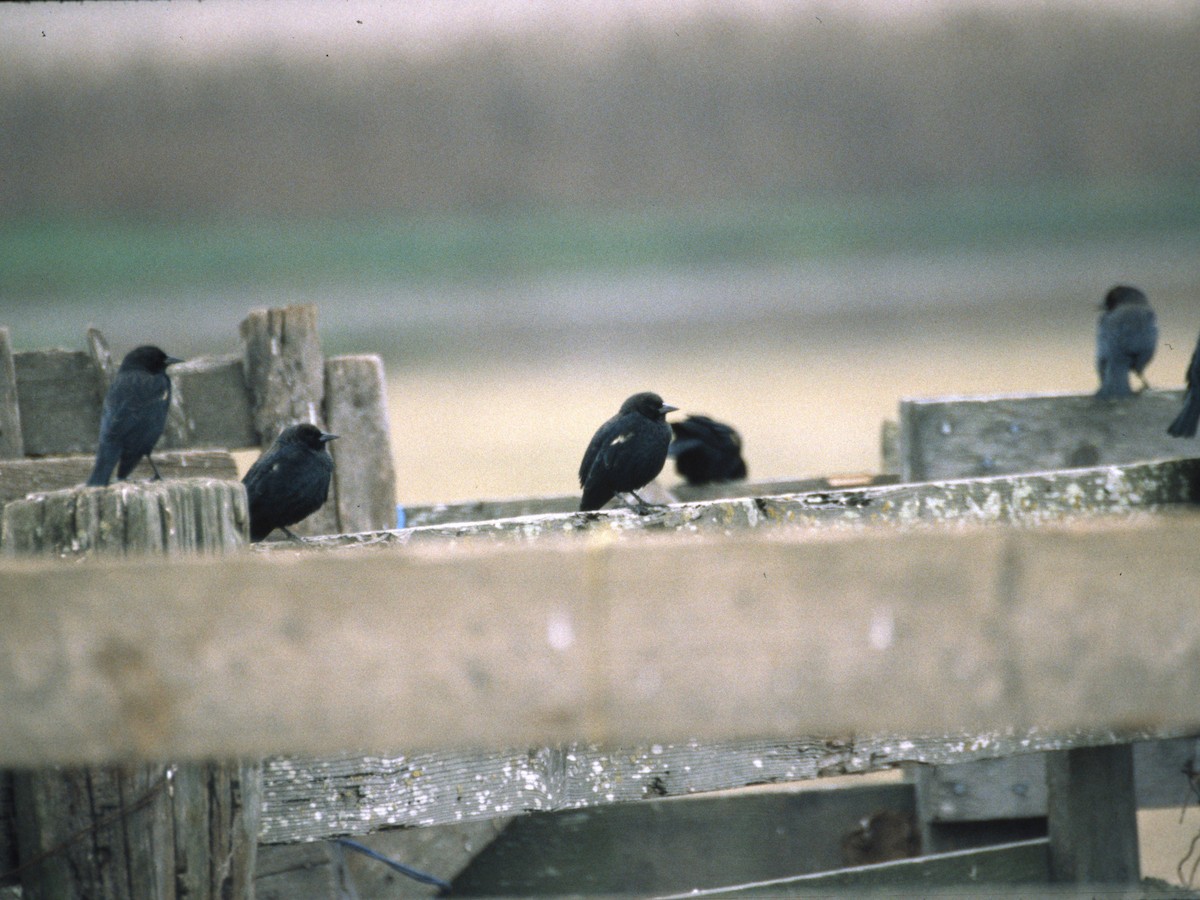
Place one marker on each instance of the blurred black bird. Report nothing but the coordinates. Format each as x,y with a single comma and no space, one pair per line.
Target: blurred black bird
706,450
1185,423
134,414
290,481
627,452
1126,336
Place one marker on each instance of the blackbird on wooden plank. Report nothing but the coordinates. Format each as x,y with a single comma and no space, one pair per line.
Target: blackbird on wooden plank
290,481
1185,423
134,414
627,452
1126,336
706,450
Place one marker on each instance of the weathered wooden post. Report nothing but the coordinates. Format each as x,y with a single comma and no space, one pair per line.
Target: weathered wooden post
285,375
140,829
1092,816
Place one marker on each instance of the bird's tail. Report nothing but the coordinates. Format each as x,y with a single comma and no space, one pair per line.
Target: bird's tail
106,459
1114,378
1185,423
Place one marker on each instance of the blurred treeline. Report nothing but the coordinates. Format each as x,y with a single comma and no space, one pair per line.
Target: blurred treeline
704,111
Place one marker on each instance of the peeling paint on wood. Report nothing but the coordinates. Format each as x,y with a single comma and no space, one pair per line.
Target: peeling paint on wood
310,799
1032,499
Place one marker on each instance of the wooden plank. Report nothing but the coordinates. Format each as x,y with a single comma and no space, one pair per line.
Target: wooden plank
285,374
210,405
1031,499
961,873
12,445
60,396
19,477
1092,816
960,437
312,799
671,845
486,510
803,634
1015,787
356,405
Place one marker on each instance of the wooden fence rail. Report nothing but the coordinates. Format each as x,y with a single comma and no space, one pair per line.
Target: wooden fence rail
727,638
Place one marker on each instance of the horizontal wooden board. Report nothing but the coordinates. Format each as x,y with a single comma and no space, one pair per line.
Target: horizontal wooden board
59,393
967,437
1029,499
613,642
19,477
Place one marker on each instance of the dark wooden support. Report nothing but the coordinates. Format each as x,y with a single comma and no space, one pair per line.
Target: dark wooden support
285,375
1092,816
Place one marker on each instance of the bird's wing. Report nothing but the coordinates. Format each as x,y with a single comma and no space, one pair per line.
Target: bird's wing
133,397
593,449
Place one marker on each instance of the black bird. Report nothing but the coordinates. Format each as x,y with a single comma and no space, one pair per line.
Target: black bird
290,481
627,452
706,450
1126,336
1185,423
134,414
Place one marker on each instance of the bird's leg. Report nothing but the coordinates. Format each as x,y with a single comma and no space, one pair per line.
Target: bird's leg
645,506
1142,379
298,540
157,475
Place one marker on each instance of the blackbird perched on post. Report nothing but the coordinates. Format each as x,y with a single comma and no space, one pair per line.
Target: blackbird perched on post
290,481
706,450
134,414
1185,423
627,452
1126,335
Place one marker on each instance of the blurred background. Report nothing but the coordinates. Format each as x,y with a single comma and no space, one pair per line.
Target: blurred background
784,214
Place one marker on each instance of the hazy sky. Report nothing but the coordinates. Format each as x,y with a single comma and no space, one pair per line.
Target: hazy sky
54,33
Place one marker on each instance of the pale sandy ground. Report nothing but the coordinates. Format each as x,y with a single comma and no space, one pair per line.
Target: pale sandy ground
472,432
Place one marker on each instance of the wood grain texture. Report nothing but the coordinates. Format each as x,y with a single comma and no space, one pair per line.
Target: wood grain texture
982,436
196,515
1025,500
19,477
60,396
285,375
356,406
618,642
210,405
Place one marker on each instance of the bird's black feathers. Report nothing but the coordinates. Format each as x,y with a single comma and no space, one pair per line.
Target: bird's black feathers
290,481
1185,423
1126,337
706,450
627,452
134,414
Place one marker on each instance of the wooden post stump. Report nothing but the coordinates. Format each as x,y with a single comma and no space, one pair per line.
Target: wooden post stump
153,830
189,515
1092,816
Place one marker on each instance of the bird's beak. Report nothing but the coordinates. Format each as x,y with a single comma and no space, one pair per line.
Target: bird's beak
171,360
666,408
326,438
